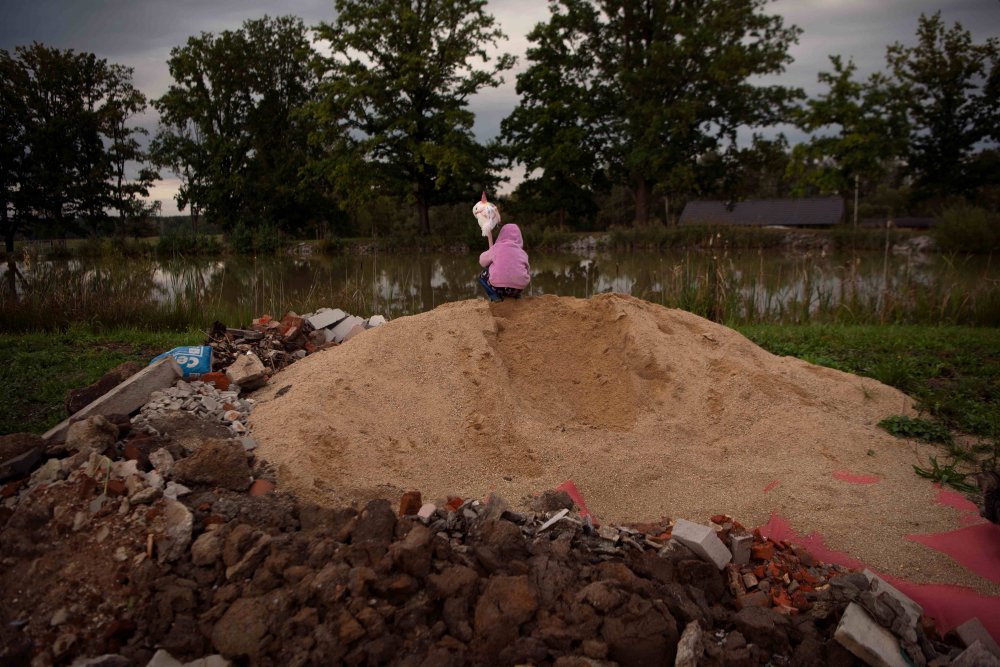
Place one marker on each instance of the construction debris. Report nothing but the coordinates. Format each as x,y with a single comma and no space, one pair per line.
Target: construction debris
270,345
184,564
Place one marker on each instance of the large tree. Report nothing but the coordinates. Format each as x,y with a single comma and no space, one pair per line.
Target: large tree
670,81
857,127
231,126
952,90
66,122
395,96
554,130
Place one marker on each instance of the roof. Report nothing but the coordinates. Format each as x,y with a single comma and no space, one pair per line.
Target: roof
808,212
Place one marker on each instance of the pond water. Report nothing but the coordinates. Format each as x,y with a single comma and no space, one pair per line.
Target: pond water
728,286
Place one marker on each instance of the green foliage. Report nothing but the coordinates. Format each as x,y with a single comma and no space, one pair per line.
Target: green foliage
232,130
393,111
902,426
949,86
183,242
68,144
650,106
946,475
966,228
954,372
263,239
871,127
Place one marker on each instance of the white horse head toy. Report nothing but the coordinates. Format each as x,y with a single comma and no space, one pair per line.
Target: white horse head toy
487,215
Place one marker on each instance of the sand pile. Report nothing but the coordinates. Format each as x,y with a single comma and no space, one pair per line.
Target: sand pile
652,412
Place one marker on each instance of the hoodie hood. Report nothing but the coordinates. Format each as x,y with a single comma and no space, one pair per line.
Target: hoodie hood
510,233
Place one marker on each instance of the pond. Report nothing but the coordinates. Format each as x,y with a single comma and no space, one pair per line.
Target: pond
728,286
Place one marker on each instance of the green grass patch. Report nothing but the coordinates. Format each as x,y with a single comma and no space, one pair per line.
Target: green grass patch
952,371
37,369
902,426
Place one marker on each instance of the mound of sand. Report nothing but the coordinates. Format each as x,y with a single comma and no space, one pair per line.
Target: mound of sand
652,412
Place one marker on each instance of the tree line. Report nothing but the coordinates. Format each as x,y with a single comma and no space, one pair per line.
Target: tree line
630,106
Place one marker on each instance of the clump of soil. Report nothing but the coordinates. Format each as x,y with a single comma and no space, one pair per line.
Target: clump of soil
651,411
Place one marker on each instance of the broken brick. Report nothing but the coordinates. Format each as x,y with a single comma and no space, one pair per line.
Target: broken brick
261,487
410,503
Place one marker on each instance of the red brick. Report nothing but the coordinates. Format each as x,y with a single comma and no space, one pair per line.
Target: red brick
220,380
762,551
454,502
116,487
261,487
410,503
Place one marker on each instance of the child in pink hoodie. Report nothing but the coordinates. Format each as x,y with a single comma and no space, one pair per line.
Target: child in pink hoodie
506,271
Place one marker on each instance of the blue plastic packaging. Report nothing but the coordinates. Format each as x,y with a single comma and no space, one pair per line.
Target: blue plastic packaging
193,360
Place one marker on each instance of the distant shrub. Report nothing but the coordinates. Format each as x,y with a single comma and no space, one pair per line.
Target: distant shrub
964,228
186,243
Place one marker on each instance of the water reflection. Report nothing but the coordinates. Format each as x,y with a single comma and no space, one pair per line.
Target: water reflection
733,287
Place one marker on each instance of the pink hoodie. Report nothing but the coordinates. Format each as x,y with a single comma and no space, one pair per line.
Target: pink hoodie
507,260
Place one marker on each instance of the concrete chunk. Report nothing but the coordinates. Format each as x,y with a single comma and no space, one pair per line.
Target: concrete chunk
976,656
355,330
125,398
972,631
374,321
344,327
703,541
247,371
740,548
870,642
326,317
878,585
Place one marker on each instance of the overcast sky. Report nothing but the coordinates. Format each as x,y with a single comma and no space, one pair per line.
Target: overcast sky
140,34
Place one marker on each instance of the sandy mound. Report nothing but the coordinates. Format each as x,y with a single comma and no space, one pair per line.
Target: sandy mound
652,412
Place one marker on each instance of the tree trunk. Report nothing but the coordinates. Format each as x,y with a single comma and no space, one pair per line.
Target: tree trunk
9,229
642,197
423,210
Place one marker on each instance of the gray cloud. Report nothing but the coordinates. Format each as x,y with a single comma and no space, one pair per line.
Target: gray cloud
140,34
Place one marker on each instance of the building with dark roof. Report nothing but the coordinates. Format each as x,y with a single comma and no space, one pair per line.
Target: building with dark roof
806,212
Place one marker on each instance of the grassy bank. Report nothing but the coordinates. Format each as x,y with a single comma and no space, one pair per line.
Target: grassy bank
37,369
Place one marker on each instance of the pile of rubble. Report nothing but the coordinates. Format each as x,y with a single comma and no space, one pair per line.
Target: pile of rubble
143,549
278,343
160,539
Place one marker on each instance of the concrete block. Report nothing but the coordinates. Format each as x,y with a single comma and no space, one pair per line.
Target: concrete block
740,548
125,398
878,585
870,642
326,317
355,330
374,321
344,327
976,656
247,371
703,541
972,631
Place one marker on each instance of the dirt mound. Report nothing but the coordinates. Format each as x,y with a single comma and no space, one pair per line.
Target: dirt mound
652,412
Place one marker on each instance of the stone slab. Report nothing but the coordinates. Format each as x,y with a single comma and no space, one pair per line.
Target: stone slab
976,655
125,398
355,330
870,642
972,631
344,327
703,541
326,317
